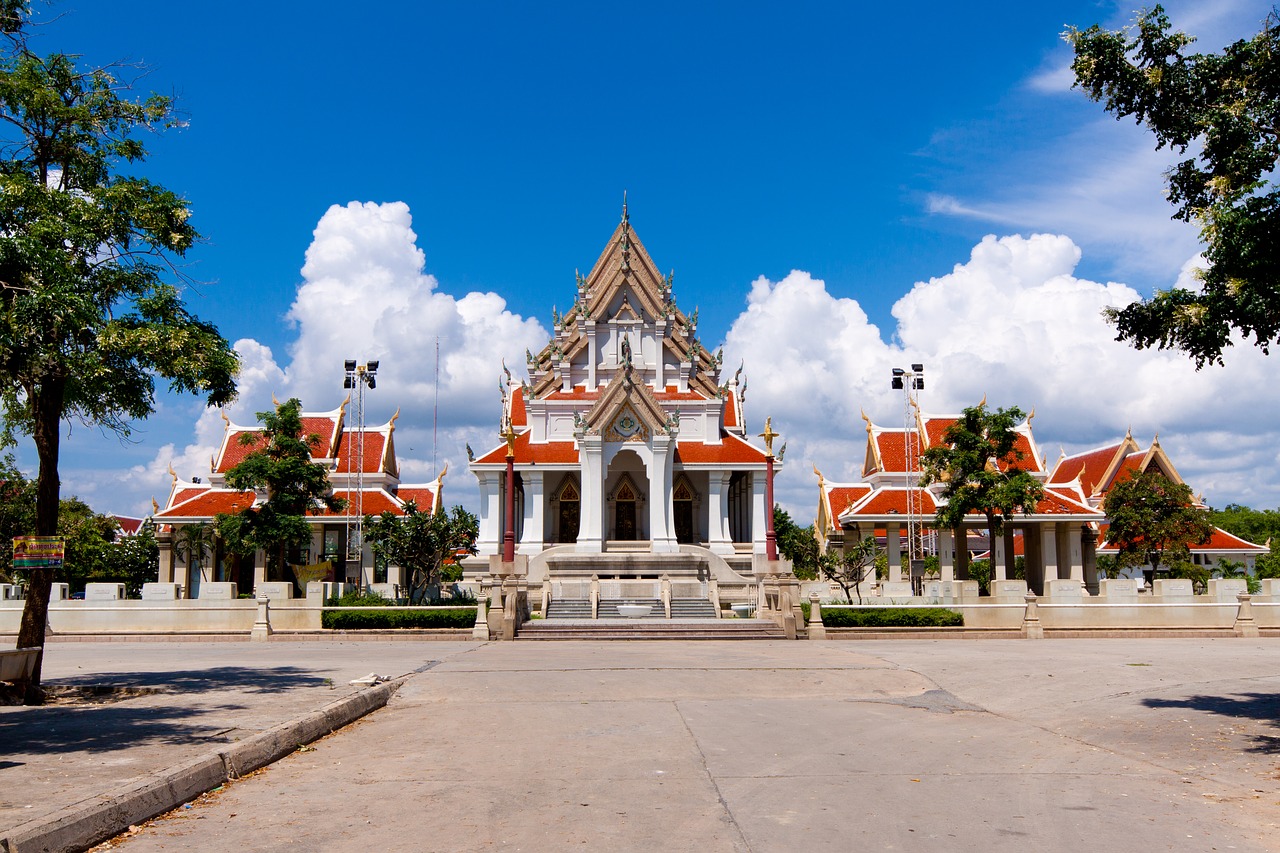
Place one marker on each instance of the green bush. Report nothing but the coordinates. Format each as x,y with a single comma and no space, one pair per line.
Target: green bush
358,598
355,620
885,617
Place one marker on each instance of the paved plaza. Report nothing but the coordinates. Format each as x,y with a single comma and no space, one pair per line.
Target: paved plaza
753,746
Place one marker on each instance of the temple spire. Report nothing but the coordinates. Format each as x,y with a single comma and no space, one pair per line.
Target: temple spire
625,216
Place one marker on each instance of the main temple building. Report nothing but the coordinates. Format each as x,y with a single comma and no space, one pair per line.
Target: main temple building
631,456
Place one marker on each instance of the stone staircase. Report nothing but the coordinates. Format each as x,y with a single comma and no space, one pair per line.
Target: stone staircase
681,608
650,629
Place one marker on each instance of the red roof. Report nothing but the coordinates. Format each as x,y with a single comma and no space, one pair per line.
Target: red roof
731,450
422,497
840,498
894,502
893,445
670,393
1088,467
935,427
578,392
374,445
208,503
233,452
730,412
375,502
526,452
128,525
1219,540
518,416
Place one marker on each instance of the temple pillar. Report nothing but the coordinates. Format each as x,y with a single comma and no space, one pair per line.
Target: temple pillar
757,512
946,555
1069,562
1089,558
490,513
1033,558
893,543
1049,551
662,536
996,555
164,538
718,512
591,507
534,533
962,553
1009,565
593,354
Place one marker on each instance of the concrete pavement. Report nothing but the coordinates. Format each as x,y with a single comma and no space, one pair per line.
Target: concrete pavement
772,746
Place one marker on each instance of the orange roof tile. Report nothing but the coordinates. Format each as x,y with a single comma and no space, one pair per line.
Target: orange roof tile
519,417
526,452
730,412
840,498
893,502
1088,466
731,450
422,497
375,502
209,503
374,444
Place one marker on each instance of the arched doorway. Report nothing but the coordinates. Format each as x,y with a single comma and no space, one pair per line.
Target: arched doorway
683,500
568,510
624,513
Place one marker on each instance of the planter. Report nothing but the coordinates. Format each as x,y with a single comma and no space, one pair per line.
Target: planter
635,611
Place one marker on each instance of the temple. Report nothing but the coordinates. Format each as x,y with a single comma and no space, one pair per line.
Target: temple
363,471
1059,539
630,457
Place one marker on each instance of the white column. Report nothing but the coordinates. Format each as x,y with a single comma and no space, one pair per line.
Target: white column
534,512
1068,548
757,512
718,512
893,542
593,354
946,555
1049,553
662,538
490,512
997,555
591,456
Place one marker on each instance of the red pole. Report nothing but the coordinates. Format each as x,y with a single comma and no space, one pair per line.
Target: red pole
770,536
509,538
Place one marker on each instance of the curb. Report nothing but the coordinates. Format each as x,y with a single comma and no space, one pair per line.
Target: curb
85,824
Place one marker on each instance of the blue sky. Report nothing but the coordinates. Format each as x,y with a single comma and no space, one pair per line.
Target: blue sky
871,147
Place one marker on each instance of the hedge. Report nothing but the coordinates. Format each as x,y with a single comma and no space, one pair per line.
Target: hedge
883,617
382,617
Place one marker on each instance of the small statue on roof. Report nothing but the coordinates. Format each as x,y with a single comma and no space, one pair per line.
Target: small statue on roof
626,353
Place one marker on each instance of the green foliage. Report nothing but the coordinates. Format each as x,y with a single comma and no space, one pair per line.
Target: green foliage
1225,109
848,569
88,321
1235,569
980,571
1109,567
890,617
352,620
1198,575
193,545
294,485
797,544
425,545
358,598
1153,520
1267,566
977,464
17,512
1254,525
135,560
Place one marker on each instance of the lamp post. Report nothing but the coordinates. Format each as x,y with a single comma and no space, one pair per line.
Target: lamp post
907,381
358,377
770,535
509,535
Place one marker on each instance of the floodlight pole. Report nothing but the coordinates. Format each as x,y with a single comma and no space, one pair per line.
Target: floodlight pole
358,377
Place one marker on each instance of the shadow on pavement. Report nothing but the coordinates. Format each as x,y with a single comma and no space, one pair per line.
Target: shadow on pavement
1254,706
152,720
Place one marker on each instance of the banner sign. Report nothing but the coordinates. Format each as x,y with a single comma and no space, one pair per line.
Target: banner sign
38,552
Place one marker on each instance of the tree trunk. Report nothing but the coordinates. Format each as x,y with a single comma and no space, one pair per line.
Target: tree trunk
46,406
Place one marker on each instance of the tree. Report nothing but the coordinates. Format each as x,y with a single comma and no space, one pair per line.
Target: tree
797,544
1254,525
977,465
1225,108
850,568
294,485
422,544
1153,520
88,320
192,543
135,560
17,512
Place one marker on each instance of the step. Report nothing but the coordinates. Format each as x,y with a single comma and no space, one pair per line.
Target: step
638,629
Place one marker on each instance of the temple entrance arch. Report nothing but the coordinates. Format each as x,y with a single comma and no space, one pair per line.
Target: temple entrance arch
566,509
684,500
625,514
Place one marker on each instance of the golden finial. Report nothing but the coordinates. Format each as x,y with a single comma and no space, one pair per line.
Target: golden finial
818,473
768,435
274,401
1032,415
155,507
509,435
984,401
626,217
226,420
867,419
173,473
391,424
